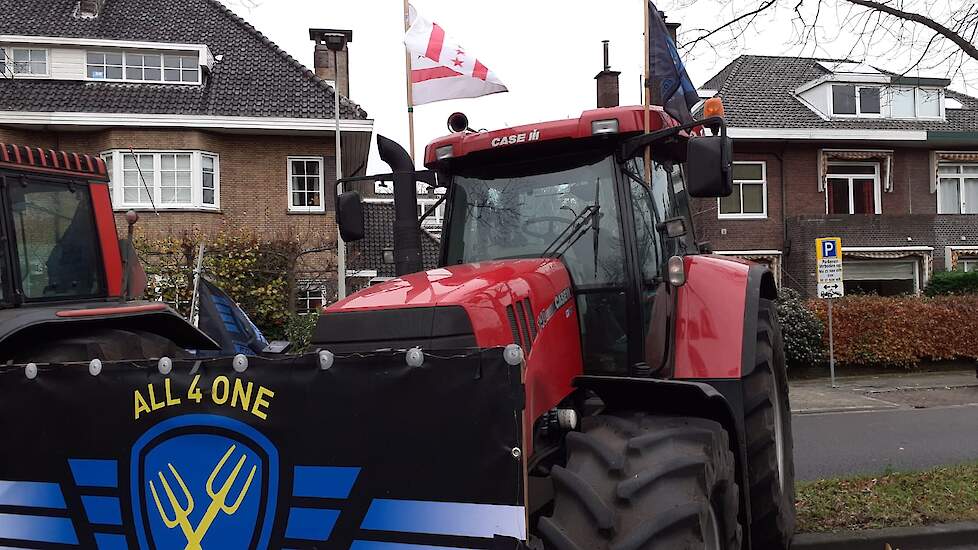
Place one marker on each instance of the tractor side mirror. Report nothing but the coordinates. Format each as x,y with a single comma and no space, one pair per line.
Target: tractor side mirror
349,216
709,166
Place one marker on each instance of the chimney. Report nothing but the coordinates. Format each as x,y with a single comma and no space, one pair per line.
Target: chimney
90,8
607,83
327,42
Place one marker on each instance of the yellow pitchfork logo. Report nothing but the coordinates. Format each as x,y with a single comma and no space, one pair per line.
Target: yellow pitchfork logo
181,514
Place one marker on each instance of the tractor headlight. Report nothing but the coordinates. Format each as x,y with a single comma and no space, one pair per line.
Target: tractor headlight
444,152
676,271
600,127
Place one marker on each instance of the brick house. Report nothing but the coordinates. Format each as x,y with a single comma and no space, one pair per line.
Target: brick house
834,148
197,114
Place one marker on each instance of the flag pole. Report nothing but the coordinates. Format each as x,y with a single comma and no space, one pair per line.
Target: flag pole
648,89
407,75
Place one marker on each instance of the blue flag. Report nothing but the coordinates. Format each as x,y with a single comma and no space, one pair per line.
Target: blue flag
666,70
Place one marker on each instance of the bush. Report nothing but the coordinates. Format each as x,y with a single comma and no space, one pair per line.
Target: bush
802,331
299,329
902,331
952,282
259,275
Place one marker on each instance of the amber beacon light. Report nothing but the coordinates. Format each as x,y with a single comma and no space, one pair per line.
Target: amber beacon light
713,107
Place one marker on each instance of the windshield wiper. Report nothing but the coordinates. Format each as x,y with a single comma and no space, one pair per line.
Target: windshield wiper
574,231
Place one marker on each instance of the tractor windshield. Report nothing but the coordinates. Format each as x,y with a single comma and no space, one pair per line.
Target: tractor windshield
55,241
571,213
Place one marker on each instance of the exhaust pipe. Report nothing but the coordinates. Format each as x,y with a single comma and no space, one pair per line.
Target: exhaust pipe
407,228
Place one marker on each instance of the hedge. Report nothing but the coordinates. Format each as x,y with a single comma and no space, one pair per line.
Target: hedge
802,331
952,282
902,331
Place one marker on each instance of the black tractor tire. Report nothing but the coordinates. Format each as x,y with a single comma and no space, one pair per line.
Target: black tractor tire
644,482
103,343
770,463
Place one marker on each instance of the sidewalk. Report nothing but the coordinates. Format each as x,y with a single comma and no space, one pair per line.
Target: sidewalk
885,391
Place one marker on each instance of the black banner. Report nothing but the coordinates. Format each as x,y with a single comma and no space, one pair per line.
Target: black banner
367,454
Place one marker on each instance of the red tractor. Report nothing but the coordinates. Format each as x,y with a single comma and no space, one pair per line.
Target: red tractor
656,403
67,283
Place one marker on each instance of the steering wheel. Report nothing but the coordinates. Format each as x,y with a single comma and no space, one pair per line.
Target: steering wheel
550,234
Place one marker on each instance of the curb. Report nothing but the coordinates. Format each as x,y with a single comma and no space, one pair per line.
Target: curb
905,538
854,408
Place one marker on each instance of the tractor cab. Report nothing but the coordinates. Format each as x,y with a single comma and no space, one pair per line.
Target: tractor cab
577,190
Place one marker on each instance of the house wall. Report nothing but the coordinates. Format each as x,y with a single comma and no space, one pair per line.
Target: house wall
909,211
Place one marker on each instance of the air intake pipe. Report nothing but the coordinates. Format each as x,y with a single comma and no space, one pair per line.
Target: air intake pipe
407,228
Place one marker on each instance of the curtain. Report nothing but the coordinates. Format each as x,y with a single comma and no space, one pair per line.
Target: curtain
936,157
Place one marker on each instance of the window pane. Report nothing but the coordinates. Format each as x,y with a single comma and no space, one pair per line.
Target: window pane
171,75
844,99
863,199
970,188
38,67
168,194
753,198
189,62
949,169
39,55
21,55
183,195
151,60
189,76
171,61
151,74
950,201
869,100
299,184
113,59
748,171
96,59
928,103
838,196
134,73
96,72
312,167
183,162
167,162
298,167
901,103
113,73
207,162
312,183
208,196
970,168
298,199
731,204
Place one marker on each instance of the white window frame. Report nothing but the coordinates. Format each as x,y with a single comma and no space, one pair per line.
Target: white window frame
763,182
162,55
114,162
877,194
302,296
859,113
960,176
10,65
434,221
940,100
322,189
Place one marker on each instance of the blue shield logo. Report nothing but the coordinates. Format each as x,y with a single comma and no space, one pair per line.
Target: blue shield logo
203,481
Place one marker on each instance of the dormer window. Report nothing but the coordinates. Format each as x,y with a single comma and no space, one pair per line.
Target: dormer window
24,61
852,100
134,66
915,103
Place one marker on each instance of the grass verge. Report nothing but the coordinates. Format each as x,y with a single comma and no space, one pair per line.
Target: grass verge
905,499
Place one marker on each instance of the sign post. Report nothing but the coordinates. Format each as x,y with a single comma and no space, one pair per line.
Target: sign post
828,256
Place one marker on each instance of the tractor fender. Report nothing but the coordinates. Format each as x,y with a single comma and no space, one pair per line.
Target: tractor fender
717,400
716,317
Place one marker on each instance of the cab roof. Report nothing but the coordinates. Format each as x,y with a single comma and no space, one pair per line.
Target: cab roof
35,159
630,119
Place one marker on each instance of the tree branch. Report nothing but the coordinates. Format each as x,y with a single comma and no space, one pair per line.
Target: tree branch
966,47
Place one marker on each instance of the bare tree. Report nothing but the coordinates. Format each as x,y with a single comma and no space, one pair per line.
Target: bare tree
912,35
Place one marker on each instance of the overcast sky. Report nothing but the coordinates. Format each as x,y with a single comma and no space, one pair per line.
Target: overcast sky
546,51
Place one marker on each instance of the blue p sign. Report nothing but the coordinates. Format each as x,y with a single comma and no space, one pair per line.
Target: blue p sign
828,249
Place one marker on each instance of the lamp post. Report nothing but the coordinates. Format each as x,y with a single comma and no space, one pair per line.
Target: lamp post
336,42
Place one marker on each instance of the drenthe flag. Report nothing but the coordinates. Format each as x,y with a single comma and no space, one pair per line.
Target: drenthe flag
666,70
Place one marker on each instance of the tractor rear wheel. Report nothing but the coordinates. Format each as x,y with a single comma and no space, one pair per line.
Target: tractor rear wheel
644,482
767,417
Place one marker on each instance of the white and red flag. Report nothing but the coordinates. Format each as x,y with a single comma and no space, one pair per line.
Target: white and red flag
441,68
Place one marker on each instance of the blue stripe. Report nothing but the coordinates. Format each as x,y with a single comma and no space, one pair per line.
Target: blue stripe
310,523
94,473
108,541
31,493
37,529
323,481
374,545
446,518
103,510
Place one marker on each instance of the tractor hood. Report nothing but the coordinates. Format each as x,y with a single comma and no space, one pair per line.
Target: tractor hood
463,305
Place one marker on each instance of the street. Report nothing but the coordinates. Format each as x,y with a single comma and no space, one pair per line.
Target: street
844,443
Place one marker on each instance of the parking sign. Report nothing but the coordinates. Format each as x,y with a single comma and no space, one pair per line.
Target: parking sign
828,266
